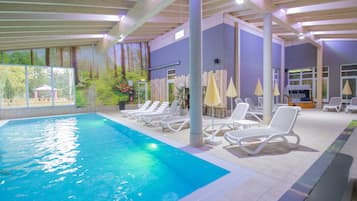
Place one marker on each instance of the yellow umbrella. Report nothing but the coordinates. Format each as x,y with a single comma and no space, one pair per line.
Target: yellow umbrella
231,92
258,89
276,90
212,95
347,89
212,98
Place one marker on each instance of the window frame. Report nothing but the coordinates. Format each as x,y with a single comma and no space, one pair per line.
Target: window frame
27,94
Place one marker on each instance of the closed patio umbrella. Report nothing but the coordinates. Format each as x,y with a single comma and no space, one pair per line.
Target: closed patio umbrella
212,99
231,92
258,89
347,89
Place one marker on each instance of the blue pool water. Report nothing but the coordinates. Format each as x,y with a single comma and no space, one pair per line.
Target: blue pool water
88,157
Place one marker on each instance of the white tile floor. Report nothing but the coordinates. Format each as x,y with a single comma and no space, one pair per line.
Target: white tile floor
268,175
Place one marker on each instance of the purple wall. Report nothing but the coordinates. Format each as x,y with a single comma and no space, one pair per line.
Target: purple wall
229,52
336,53
251,62
213,46
174,52
218,42
300,56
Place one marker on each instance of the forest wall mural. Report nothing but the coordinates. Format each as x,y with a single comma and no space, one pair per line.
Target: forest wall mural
99,79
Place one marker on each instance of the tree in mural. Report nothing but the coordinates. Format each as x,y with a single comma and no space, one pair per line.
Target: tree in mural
9,92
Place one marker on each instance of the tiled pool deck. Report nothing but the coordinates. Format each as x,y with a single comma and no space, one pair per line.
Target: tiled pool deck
270,174
303,186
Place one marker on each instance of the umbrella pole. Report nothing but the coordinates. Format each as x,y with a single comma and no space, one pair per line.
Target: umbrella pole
212,120
231,105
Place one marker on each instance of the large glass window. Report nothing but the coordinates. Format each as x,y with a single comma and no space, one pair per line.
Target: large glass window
308,77
38,57
40,90
348,75
12,86
63,83
16,57
33,86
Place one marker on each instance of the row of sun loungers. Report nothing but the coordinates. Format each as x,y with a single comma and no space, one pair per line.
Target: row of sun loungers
335,104
237,129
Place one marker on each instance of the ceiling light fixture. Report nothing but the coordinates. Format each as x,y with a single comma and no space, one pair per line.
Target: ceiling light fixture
121,38
282,10
239,2
301,36
121,17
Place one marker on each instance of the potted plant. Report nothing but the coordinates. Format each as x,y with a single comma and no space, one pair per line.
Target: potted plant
123,99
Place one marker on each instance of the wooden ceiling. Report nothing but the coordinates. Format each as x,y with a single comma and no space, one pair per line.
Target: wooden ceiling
50,23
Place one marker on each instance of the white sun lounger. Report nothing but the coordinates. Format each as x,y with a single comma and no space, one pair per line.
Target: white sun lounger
280,127
175,124
352,106
151,108
238,114
158,110
154,119
334,104
142,108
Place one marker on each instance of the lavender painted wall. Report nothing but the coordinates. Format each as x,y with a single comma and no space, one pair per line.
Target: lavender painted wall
218,42
213,46
251,62
336,53
177,51
229,52
300,56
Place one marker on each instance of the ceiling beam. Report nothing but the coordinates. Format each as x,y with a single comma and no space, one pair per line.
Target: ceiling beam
322,7
111,4
20,39
66,43
47,16
136,17
329,22
265,6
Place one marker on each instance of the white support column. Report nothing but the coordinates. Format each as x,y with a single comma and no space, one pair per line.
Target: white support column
282,74
27,95
52,88
237,58
267,69
319,77
195,58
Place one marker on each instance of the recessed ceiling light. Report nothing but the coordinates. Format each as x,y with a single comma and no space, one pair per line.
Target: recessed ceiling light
239,1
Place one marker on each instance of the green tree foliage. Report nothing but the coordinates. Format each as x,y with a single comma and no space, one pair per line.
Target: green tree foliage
17,57
16,77
9,92
38,76
81,97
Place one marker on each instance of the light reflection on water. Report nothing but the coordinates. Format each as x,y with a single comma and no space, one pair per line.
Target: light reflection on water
60,141
48,148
